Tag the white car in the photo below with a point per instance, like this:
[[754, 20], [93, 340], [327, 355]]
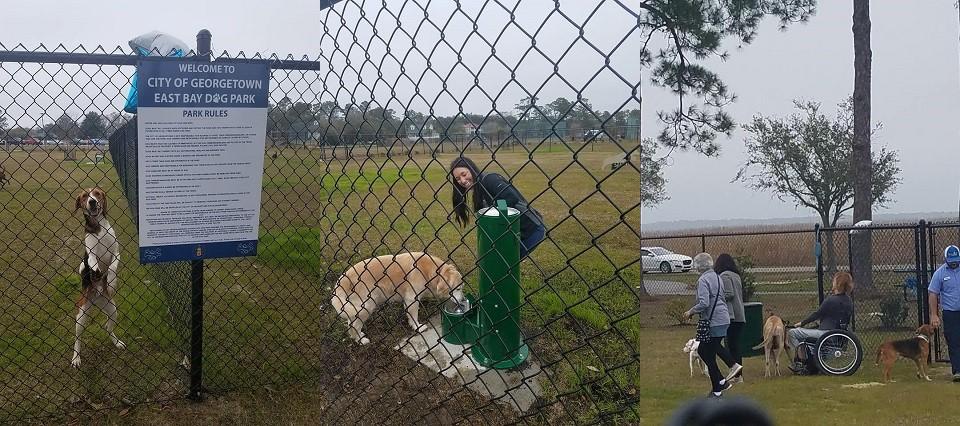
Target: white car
[[596, 135], [663, 260]]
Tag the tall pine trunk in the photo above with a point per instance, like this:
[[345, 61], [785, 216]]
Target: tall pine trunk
[[862, 266]]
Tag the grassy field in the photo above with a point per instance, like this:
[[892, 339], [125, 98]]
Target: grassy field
[[798, 400], [265, 320]]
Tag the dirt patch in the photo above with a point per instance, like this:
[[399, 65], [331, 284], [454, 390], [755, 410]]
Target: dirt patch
[[369, 385], [378, 385]]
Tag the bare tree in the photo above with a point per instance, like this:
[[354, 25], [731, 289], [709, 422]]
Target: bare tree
[[805, 159]]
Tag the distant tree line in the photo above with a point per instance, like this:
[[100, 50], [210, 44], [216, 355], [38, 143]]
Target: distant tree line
[[331, 123], [93, 125]]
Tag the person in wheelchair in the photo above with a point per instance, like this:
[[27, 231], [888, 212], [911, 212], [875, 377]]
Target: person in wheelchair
[[834, 313]]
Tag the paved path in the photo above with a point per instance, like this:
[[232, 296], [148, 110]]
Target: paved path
[[813, 269], [667, 288], [673, 288]]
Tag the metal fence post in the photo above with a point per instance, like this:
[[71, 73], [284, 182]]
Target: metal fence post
[[918, 238], [849, 252], [196, 278], [818, 253], [853, 316], [703, 243], [196, 330]]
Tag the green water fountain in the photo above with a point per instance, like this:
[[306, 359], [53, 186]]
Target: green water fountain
[[490, 323]]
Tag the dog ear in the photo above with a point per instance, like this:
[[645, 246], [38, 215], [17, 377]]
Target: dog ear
[[79, 203], [103, 201], [450, 276]]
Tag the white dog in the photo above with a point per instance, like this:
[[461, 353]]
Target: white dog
[[98, 271], [691, 348]]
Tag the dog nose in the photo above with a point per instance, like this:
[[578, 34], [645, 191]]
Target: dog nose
[[92, 202]]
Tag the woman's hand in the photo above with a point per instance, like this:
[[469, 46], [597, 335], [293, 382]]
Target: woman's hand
[[797, 325], [688, 314]]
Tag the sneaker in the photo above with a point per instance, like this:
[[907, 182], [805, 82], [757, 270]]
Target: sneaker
[[735, 370], [956, 377], [797, 368], [712, 395], [726, 385]]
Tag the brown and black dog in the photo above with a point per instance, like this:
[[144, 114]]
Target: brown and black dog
[[916, 348]]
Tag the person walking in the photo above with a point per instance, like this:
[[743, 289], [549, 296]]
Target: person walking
[[944, 294], [713, 310], [729, 272]]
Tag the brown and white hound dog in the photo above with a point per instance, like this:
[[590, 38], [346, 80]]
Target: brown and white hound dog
[[98, 271], [916, 348]]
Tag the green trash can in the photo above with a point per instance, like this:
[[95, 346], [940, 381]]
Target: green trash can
[[753, 330]]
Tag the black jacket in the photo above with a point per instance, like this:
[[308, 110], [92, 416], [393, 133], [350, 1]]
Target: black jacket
[[835, 310], [491, 187]]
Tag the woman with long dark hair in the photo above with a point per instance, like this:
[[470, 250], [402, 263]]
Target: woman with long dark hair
[[729, 273], [486, 189]]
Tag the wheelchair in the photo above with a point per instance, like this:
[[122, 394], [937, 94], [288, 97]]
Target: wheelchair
[[836, 353]]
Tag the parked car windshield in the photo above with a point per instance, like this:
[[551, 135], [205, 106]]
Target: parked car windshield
[[660, 251]]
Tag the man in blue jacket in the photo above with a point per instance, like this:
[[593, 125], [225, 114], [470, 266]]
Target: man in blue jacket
[[944, 292]]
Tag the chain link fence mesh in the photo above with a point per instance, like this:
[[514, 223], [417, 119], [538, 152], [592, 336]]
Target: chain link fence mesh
[[359, 142], [781, 272]]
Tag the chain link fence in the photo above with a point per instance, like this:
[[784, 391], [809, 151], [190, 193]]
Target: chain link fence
[[359, 142], [933, 241], [790, 272], [779, 270]]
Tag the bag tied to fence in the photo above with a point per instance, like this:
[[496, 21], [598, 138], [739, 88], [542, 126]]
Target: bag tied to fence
[[153, 43], [703, 326]]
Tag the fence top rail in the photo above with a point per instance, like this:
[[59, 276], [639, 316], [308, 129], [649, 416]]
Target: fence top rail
[[724, 234], [892, 226], [874, 227], [945, 225], [67, 57], [130, 59]]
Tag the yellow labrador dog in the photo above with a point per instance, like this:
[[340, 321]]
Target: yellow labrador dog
[[370, 283], [774, 342]]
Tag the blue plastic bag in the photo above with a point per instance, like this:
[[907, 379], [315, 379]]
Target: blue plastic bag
[[153, 43]]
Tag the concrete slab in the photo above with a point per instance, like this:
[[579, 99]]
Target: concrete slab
[[516, 388]]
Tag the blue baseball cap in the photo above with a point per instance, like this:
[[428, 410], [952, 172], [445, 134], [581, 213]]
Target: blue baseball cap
[[951, 254]]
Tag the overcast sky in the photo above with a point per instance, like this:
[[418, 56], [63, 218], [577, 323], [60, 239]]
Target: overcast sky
[[916, 96], [916, 82], [297, 28]]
